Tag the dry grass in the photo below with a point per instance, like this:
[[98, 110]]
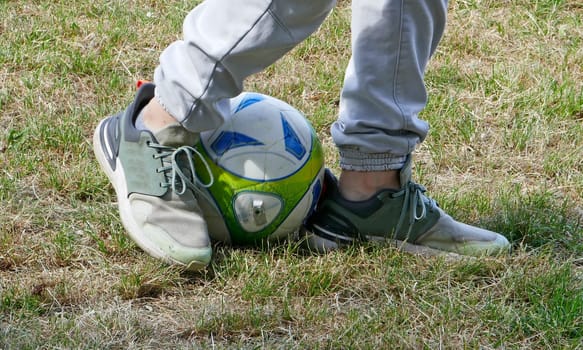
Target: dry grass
[[505, 151]]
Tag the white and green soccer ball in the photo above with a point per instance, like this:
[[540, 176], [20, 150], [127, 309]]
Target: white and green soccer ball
[[268, 169]]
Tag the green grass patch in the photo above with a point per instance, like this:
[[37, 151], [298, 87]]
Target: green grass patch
[[504, 152]]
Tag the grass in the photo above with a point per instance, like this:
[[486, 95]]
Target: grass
[[505, 152]]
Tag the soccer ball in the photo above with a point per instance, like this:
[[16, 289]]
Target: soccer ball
[[268, 169]]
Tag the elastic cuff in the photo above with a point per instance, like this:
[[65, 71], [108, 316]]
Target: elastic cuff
[[354, 160]]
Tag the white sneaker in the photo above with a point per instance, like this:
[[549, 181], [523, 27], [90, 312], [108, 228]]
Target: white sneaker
[[154, 180]]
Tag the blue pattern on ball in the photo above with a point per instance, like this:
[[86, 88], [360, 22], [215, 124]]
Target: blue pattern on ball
[[229, 140], [250, 99], [293, 144]]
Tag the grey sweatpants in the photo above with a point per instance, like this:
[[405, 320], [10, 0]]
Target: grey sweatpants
[[225, 41]]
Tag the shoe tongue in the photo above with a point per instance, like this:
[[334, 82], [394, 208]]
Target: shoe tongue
[[175, 135], [405, 172]]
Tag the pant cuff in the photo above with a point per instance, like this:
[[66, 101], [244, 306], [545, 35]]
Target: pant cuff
[[358, 161]]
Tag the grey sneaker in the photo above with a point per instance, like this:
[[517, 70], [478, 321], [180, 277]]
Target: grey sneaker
[[153, 177], [406, 218]]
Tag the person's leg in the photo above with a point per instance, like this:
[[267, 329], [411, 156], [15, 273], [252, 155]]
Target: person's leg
[[384, 90], [225, 42], [150, 165], [378, 129]]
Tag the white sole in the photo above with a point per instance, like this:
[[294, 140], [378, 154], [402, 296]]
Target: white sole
[[323, 245]]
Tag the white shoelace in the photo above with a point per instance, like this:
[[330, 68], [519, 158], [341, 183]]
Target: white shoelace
[[180, 180], [414, 194]]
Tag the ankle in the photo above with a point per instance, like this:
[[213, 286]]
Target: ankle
[[155, 117], [361, 185]]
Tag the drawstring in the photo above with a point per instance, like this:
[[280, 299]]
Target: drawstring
[[414, 198], [181, 180]]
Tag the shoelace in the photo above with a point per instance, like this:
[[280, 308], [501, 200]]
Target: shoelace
[[179, 180], [414, 195]]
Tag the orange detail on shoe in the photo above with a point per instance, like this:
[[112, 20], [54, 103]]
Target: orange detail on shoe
[[141, 82]]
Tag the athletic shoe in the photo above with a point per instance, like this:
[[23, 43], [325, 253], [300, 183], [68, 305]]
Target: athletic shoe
[[405, 217], [154, 178]]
